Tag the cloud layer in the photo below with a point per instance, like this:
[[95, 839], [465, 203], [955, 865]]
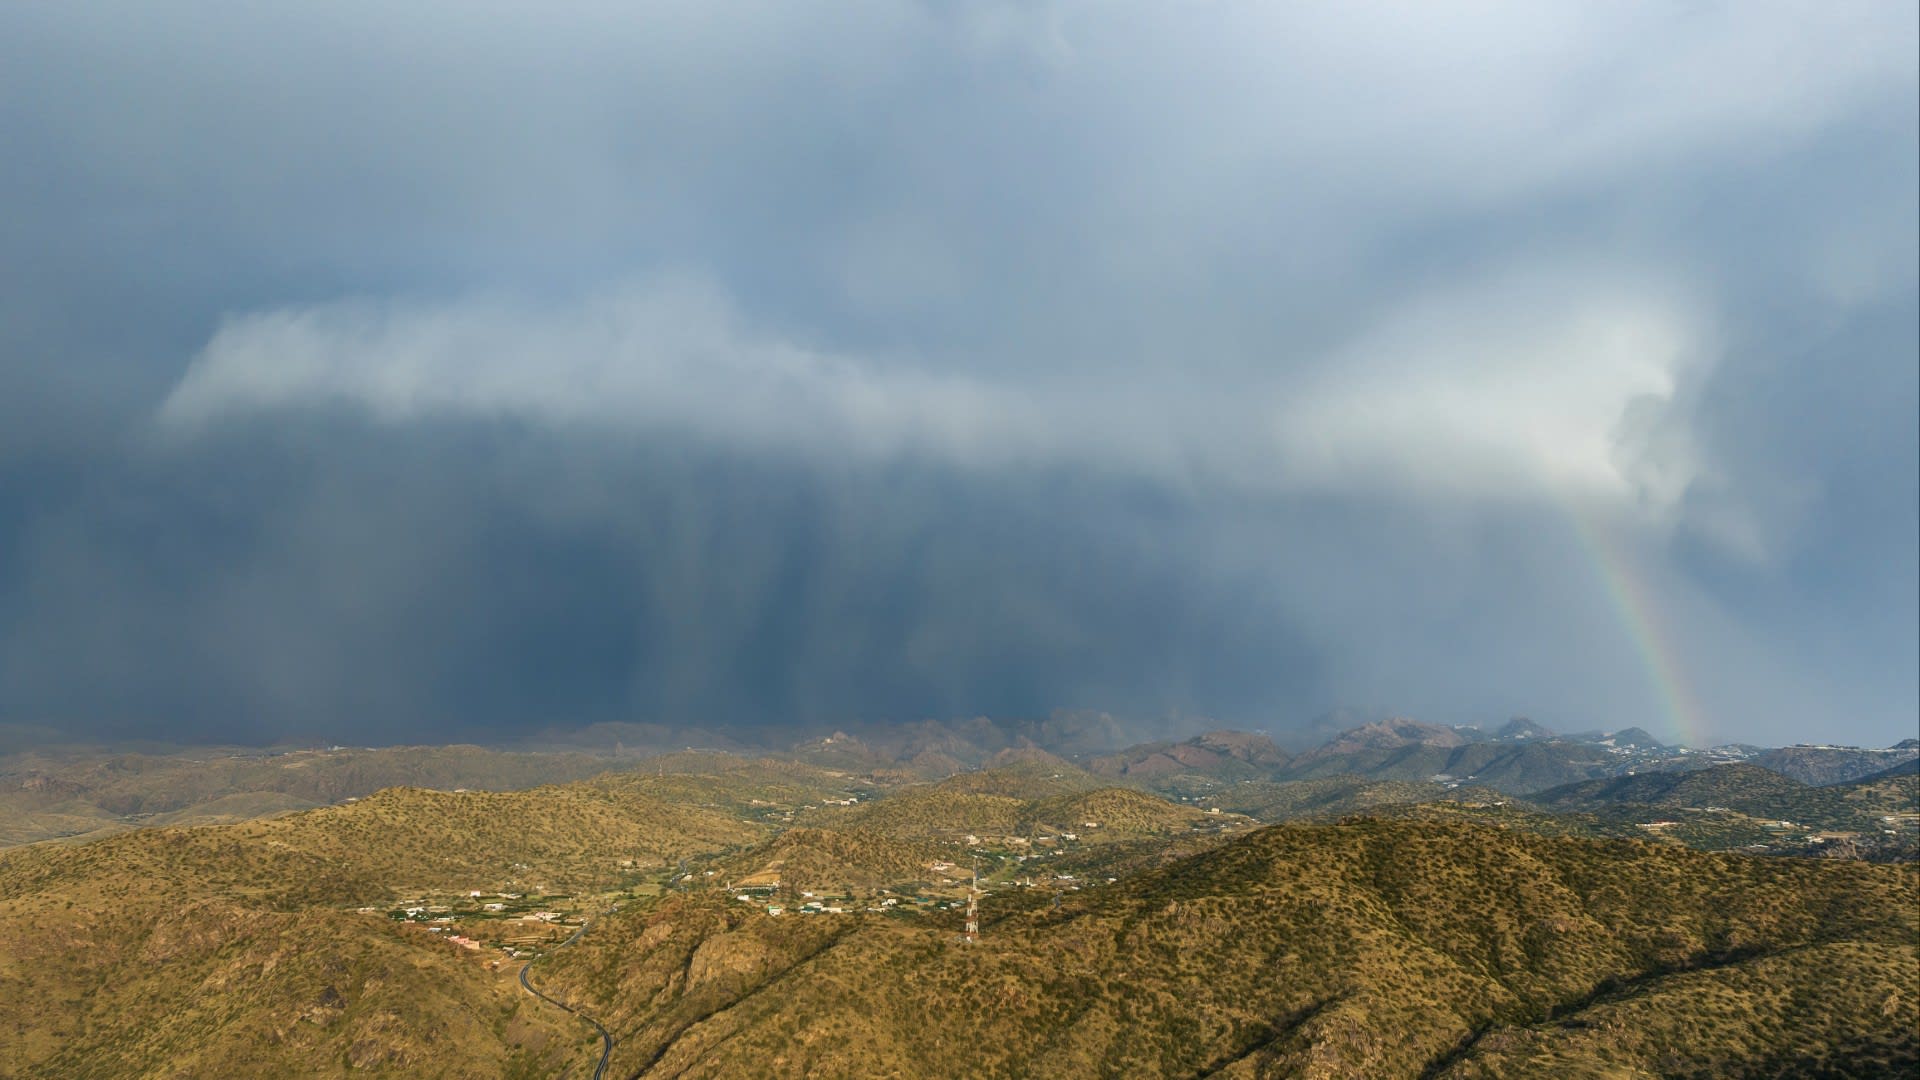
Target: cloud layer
[[1498, 391], [361, 365]]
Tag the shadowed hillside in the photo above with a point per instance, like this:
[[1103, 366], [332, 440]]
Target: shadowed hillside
[[1225, 755], [1835, 764], [1744, 787], [1518, 768], [1748, 807]]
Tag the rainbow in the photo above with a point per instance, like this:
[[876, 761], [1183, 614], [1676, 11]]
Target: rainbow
[[1633, 604]]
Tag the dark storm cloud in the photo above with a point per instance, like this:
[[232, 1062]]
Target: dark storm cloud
[[343, 578], [363, 368]]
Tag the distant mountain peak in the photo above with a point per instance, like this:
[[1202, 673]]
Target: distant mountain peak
[[1634, 736], [1247, 746], [1522, 728], [1026, 755], [1239, 753], [1391, 734]]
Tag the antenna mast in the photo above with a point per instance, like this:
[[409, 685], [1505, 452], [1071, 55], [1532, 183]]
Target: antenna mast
[[973, 904]]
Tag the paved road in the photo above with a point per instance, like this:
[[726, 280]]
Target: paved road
[[606, 1038]]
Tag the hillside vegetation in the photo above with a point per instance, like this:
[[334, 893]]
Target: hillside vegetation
[[1516, 768], [214, 987], [831, 861], [240, 949], [1835, 764], [1109, 813], [79, 794], [1401, 928], [929, 812], [1745, 806], [1296, 799], [1374, 949]]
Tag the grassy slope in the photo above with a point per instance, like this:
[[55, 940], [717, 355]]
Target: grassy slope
[[1112, 812], [231, 950], [831, 860], [218, 988], [1816, 1010], [48, 795], [1372, 949], [1291, 951], [924, 812], [1331, 795]]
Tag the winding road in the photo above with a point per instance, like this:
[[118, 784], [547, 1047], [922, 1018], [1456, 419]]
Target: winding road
[[606, 1037]]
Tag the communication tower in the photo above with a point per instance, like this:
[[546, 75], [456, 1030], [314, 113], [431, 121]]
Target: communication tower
[[973, 905]]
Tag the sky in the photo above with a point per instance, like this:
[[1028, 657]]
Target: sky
[[412, 372]]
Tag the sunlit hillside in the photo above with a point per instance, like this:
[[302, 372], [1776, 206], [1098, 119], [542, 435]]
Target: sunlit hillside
[[48, 794], [1296, 950]]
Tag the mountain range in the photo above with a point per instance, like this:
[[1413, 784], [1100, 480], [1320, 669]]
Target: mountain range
[[50, 792], [1207, 906]]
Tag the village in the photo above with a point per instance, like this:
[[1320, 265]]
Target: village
[[508, 928], [500, 927]]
